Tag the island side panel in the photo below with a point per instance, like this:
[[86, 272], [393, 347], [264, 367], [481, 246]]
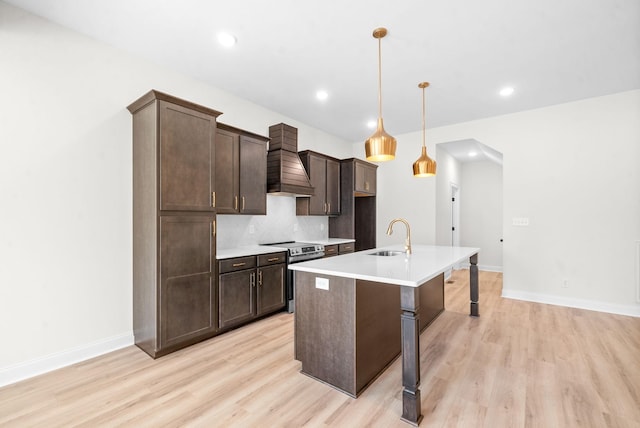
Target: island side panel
[[377, 329], [431, 300], [325, 329]]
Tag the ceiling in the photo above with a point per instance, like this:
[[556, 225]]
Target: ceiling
[[471, 150], [550, 51]]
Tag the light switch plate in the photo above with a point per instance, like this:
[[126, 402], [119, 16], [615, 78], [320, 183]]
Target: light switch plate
[[322, 283]]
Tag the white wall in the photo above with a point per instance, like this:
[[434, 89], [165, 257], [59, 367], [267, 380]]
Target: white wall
[[400, 194], [572, 169], [448, 172], [65, 181], [481, 211]]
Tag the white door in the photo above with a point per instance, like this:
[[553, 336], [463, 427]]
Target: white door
[[455, 215]]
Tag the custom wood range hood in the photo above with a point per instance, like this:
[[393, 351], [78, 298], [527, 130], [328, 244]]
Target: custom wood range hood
[[286, 174]]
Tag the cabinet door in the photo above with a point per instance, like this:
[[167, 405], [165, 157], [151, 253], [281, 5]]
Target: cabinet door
[[187, 292], [253, 176], [236, 291], [365, 179], [270, 295], [186, 158], [227, 163], [333, 187], [317, 171]]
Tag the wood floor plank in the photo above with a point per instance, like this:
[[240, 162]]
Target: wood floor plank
[[520, 364]]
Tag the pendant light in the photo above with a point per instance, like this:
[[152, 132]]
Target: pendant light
[[380, 146], [424, 166]]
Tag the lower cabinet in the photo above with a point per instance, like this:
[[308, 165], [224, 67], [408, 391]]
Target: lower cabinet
[[337, 249], [331, 250], [174, 301], [346, 248], [250, 287]]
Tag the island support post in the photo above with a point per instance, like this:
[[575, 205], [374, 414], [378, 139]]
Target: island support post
[[410, 323], [474, 309]]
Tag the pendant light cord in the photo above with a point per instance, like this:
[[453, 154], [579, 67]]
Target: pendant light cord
[[424, 121], [379, 78]]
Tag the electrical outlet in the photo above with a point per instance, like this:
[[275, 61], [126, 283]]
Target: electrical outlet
[[520, 221], [252, 229], [322, 283], [565, 283]]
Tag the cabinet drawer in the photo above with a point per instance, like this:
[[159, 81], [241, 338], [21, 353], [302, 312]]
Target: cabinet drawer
[[238, 263], [330, 250], [346, 248], [272, 258]]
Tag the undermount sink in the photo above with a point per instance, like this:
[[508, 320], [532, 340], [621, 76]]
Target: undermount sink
[[387, 253]]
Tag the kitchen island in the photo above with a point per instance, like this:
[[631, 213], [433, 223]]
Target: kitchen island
[[354, 311]]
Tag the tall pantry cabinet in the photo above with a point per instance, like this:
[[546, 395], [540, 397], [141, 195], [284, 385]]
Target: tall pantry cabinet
[[174, 268]]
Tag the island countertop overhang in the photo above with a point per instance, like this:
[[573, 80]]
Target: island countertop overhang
[[425, 262]]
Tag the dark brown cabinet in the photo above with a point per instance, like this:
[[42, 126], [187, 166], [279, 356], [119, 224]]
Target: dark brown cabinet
[[271, 279], [250, 287], [365, 178], [337, 249], [324, 175], [187, 152], [348, 247], [240, 171], [187, 279], [331, 250], [357, 219], [236, 291], [174, 278]]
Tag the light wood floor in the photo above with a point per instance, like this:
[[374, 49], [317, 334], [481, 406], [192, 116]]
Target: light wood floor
[[519, 365]]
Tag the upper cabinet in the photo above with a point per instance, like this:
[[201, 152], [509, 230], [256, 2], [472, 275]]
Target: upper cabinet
[[365, 178], [183, 134], [357, 219], [324, 175], [240, 171]]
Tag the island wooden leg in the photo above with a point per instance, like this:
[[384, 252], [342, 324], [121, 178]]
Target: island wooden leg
[[473, 286], [410, 324]]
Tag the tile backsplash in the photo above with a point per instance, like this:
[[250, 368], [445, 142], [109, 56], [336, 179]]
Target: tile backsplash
[[280, 224]]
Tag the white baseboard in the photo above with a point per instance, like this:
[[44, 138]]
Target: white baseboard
[[592, 305], [37, 366]]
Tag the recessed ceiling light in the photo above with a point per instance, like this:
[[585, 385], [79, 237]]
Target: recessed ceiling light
[[472, 154], [506, 91], [227, 40], [322, 95], [372, 124]]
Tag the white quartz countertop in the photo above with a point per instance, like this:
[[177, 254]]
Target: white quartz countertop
[[331, 241], [425, 263], [247, 251], [253, 250]]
